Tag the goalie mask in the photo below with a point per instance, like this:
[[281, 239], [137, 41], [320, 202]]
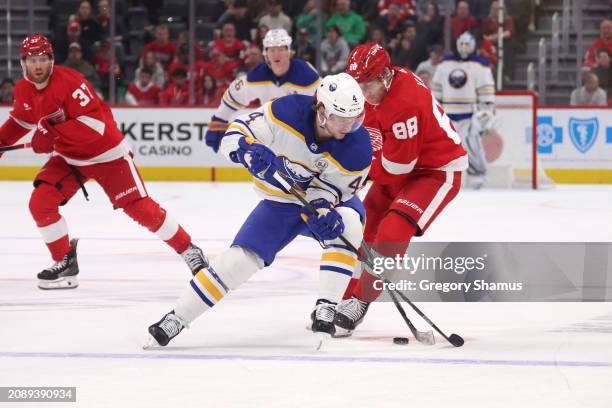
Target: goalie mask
[[343, 102], [466, 45]]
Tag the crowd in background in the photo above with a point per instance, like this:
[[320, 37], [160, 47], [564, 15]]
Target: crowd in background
[[411, 30]]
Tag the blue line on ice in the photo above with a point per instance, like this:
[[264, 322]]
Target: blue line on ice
[[314, 359]]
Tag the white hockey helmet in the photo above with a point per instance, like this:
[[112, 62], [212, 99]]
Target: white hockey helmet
[[343, 100], [277, 37], [466, 45]]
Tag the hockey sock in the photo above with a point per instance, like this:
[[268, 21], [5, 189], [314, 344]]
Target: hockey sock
[[150, 215], [227, 271], [393, 236], [44, 204], [337, 265]]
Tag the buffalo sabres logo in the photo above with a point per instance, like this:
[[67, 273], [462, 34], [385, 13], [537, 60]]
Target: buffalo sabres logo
[[457, 78], [300, 175], [332, 87], [583, 133]]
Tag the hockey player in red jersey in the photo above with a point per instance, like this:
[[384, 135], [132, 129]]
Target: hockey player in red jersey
[[416, 169], [78, 129]]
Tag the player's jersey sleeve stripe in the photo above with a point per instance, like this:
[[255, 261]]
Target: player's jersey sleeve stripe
[[268, 189], [229, 98], [459, 164], [228, 105], [240, 129], [23, 124], [397, 168], [95, 124]]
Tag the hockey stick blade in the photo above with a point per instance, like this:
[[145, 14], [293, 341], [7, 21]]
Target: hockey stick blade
[[421, 337], [454, 339]]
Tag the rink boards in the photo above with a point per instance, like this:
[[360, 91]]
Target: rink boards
[[574, 145]]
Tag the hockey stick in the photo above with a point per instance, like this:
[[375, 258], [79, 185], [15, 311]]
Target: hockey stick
[[422, 337], [15, 147]]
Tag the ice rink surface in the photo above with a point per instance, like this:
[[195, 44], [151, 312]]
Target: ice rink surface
[[252, 350]]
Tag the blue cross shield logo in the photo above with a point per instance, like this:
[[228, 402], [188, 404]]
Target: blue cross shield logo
[[583, 133]]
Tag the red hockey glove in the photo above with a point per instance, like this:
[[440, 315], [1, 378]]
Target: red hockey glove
[[44, 138]]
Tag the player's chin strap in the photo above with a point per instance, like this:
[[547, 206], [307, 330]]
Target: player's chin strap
[[422, 337]]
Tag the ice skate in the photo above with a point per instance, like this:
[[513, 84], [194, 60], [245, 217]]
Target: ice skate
[[62, 274], [349, 314], [165, 330], [195, 259]]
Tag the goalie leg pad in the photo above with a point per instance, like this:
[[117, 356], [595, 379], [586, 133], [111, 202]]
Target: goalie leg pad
[[228, 271]]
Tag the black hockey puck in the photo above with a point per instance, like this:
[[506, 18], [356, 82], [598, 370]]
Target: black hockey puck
[[400, 340]]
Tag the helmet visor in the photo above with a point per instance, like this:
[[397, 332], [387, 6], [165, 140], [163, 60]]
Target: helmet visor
[[343, 124]]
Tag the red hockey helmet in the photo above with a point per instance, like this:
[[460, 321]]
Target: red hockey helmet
[[36, 44], [367, 61]]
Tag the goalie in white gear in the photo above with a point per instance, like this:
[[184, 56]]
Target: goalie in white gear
[[319, 146], [279, 75], [463, 84]]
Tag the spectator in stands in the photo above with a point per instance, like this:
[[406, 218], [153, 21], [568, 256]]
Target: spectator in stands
[[220, 68], [228, 44], [435, 57], [259, 36], [603, 70], [303, 47], [430, 25], [604, 41], [6, 91], [589, 94], [252, 57], [143, 92], [377, 35], [275, 18], [73, 35], [308, 19], [182, 61], [402, 48], [521, 12], [91, 31], [351, 25], [391, 22], [183, 38], [107, 64], [177, 91], [75, 61], [425, 76], [405, 8], [164, 49], [463, 21], [334, 52], [211, 93], [104, 19], [149, 61], [238, 14], [490, 29], [480, 8]]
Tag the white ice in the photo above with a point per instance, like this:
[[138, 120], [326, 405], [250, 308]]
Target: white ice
[[252, 350]]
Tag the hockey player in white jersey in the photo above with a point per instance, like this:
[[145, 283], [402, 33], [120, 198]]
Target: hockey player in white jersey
[[279, 75], [318, 145], [463, 84]]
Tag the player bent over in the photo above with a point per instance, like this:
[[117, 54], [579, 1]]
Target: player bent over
[[416, 169], [279, 75], [319, 145], [78, 129]]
